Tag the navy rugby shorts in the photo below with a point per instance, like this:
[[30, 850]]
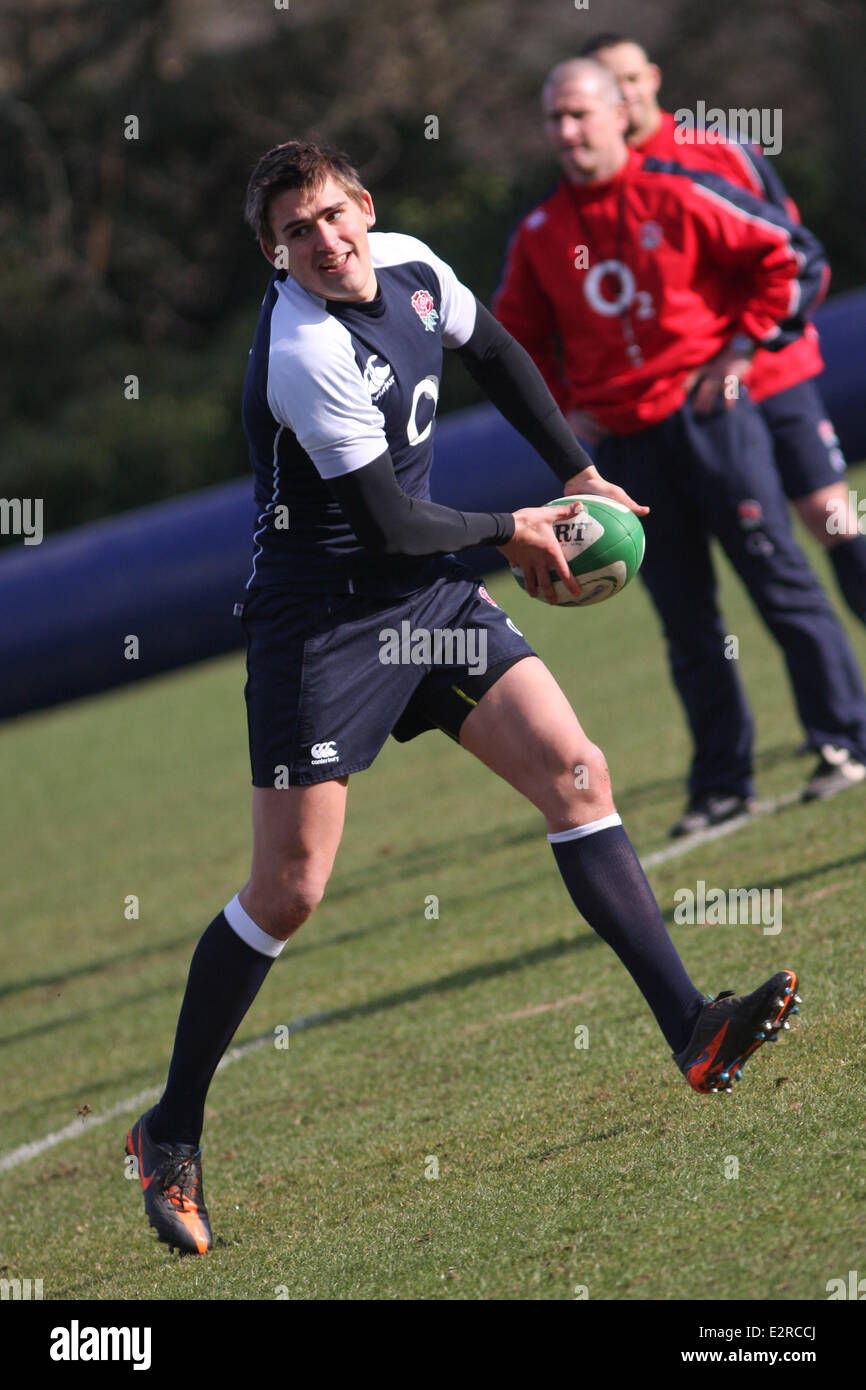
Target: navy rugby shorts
[[330, 676], [807, 451]]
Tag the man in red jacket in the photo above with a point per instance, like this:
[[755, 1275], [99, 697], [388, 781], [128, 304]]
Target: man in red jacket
[[805, 446], [642, 292]]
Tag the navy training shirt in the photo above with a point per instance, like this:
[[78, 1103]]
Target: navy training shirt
[[330, 386]]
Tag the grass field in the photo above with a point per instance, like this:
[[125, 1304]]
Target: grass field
[[441, 1042]]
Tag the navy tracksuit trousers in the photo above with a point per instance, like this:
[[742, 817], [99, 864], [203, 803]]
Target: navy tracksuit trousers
[[714, 475]]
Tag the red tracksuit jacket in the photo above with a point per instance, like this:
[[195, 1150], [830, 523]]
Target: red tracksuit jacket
[[745, 167], [620, 289]]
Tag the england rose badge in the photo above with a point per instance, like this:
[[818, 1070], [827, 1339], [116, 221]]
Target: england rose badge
[[422, 303]]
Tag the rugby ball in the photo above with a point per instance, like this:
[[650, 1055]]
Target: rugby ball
[[603, 547]]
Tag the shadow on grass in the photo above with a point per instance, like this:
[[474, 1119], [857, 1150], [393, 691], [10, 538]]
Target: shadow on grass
[[56, 1025], [85, 1091], [631, 796], [459, 980], [96, 967], [784, 880], [390, 867], [473, 899], [445, 984]]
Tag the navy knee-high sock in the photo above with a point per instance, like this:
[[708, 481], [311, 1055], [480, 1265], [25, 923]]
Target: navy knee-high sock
[[849, 561], [609, 888], [225, 976]]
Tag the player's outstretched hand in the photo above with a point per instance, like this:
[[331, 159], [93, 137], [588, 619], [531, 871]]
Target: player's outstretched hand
[[591, 481], [535, 549]]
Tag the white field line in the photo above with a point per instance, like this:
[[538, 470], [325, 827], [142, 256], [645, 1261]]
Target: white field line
[[717, 832], [143, 1099]]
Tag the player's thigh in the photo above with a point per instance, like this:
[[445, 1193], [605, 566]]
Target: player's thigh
[[296, 835], [526, 731]]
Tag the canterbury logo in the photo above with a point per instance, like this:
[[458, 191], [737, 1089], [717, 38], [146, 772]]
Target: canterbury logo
[[325, 752], [378, 376]]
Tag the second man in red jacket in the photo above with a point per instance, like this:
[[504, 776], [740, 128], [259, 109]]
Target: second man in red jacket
[[642, 290]]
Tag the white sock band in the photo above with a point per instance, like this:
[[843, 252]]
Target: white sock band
[[589, 829], [242, 923]]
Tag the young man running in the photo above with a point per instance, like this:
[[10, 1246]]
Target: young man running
[[339, 408]]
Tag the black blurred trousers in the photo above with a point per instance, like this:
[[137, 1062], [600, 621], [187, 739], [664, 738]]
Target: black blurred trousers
[[714, 475]]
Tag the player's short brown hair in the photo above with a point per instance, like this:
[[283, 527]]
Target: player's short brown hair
[[596, 45], [295, 164]]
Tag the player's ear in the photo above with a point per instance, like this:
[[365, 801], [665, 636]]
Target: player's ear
[[656, 77], [269, 252], [369, 210]]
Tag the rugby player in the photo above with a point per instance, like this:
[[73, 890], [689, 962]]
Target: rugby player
[[339, 408], [634, 287], [805, 446]]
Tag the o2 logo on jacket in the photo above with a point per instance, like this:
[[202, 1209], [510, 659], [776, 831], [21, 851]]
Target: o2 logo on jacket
[[626, 294]]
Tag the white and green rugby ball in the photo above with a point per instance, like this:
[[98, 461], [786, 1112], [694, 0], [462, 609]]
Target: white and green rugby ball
[[603, 547]]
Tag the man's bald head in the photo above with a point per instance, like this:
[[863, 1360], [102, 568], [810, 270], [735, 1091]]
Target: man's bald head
[[585, 120], [585, 72]]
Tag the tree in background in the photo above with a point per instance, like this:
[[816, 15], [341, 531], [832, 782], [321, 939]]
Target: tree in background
[[128, 280]]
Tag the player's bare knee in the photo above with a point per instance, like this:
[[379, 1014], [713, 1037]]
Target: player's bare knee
[[590, 775], [581, 790], [281, 908], [298, 901]]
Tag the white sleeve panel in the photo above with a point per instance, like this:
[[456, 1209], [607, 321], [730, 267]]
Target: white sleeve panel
[[457, 302], [315, 387]]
